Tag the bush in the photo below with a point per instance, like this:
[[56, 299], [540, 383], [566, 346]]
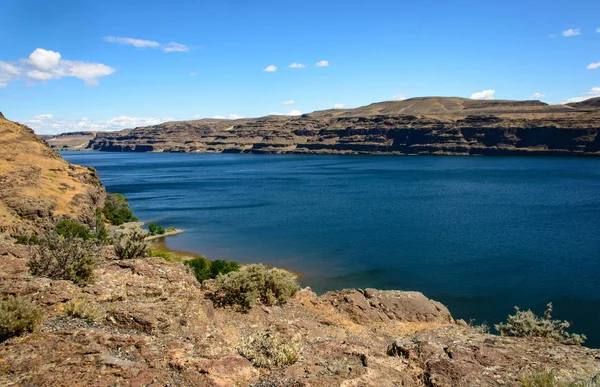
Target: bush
[[527, 324], [547, 378], [160, 230], [70, 228], [116, 209], [29, 240], [65, 258], [152, 228], [132, 245], [171, 229], [203, 269], [100, 232], [18, 316], [255, 282], [82, 307], [268, 350]]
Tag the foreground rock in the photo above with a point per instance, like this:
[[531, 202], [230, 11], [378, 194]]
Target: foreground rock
[[434, 125], [38, 187], [157, 329]]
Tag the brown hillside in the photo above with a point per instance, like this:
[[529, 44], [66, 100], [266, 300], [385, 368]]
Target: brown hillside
[[38, 187]]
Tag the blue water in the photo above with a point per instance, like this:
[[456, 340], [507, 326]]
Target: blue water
[[479, 234]]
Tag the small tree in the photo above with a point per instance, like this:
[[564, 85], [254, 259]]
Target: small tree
[[160, 230], [132, 245], [116, 209], [73, 229], [152, 228]]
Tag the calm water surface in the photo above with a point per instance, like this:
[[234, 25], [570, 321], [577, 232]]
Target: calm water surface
[[478, 234]]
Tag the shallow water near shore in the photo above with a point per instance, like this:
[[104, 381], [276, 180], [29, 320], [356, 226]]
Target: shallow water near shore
[[479, 234]]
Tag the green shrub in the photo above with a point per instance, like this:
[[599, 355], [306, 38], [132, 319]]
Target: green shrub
[[254, 283], [18, 316], [100, 232], [132, 245], [66, 258], [171, 229], [547, 378], [203, 269], [116, 209], [29, 240], [70, 228], [82, 307], [160, 230], [527, 324], [268, 350], [161, 254], [152, 228]]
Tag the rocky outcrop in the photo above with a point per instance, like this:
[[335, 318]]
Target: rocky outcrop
[[452, 126], [38, 187], [156, 327]]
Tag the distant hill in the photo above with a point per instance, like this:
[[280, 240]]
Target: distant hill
[[426, 125], [38, 187]]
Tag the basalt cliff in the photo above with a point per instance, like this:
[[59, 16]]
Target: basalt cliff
[[38, 187], [430, 125]]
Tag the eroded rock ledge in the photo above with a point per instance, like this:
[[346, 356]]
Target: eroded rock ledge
[[158, 329]]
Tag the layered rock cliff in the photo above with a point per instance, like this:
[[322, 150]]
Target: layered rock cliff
[[434, 125], [38, 187]]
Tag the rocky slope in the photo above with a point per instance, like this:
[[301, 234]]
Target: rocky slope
[[432, 125], [155, 327], [38, 187]]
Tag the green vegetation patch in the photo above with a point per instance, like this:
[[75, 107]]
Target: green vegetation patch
[[268, 350], [204, 269], [132, 245], [18, 316], [116, 209]]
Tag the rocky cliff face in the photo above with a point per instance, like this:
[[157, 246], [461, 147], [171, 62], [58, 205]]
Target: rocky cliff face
[[38, 187], [434, 125], [155, 327]]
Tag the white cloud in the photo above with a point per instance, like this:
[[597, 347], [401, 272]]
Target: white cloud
[[139, 43], [294, 112], [593, 93], [44, 65], [50, 124], [538, 95], [339, 106], [192, 74], [486, 94], [8, 72], [571, 32], [399, 97], [142, 43], [322, 63], [290, 102], [175, 47], [219, 117], [234, 117], [197, 117], [271, 68], [593, 66], [598, 30], [297, 66], [44, 59]]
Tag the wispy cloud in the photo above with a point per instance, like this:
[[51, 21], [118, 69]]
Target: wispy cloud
[[598, 30], [593, 66], [142, 43], [485, 94], [538, 95], [294, 112], [571, 32], [50, 124], [339, 106], [322, 63], [229, 117], [399, 97], [271, 68], [192, 74], [297, 66], [290, 102], [593, 93], [44, 65]]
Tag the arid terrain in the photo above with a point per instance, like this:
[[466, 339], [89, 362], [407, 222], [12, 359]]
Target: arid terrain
[[429, 125], [149, 322]]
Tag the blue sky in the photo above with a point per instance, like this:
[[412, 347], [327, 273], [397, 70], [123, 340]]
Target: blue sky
[[99, 65]]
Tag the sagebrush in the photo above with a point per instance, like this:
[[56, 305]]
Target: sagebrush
[[132, 245], [65, 258], [18, 316], [82, 307], [527, 324], [269, 349], [547, 378], [254, 283]]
